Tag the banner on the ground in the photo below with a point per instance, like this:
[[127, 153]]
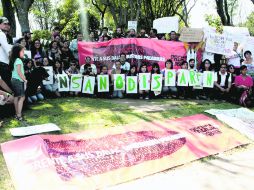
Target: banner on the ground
[[241, 119], [35, 129], [137, 50], [220, 44], [50, 79], [166, 24], [145, 81], [102, 157], [191, 34]]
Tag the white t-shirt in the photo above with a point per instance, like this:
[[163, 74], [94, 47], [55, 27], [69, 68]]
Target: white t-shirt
[[250, 68], [126, 66], [5, 48], [234, 59], [223, 78]]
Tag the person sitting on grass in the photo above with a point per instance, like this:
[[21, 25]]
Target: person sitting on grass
[[222, 82], [73, 70], [117, 70], [143, 94]]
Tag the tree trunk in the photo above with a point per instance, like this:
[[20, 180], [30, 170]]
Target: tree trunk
[[8, 12], [22, 8]]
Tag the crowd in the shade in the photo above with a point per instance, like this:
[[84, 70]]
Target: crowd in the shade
[[21, 77]]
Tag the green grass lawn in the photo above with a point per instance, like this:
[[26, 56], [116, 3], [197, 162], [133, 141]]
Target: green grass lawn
[[79, 114]]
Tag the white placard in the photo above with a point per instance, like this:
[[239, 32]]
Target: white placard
[[76, 83], [88, 85], [103, 83], [193, 78], [133, 25], [208, 79], [156, 82], [183, 77], [166, 24], [144, 81], [28, 54], [30, 130], [119, 82], [131, 84], [237, 33], [170, 77], [220, 44], [63, 83], [50, 79]]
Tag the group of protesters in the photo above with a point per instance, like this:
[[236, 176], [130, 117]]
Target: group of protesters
[[21, 77]]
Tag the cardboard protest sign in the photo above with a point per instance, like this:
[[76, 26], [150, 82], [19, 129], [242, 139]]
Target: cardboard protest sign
[[133, 25], [119, 82], [191, 35], [35, 129], [50, 79], [166, 24], [144, 81], [156, 82], [88, 85], [193, 78], [183, 77], [76, 83], [208, 79], [103, 83], [220, 44], [131, 84], [170, 78], [63, 83]]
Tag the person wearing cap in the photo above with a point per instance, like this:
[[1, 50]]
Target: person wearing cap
[[4, 50]]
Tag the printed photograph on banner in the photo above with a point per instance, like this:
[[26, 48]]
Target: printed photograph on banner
[[183, 77], [50, 79], [88, 84], [76, 83], [144, 80], [156, 82], [193, 78], [208, 79], [119, 82], [200, 81], [103, 83], [131, 84], [63, 83], [170, 78]]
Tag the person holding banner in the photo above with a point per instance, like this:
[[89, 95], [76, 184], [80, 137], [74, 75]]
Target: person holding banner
[[155, 70], [88, 61], [132, 73], [104, 71], [153, 34], [144, 90], [184, 91], [73, 70], [74, 45], [173, 36], [222, 82], [169, 90]]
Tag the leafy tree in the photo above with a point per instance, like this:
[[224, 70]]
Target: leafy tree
[[250, 23], [214, 21], [8, 12]]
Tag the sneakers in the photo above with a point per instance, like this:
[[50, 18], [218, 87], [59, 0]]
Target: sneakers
[[19, 118]]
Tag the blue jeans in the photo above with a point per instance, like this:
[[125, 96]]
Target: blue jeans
[[35, 98]]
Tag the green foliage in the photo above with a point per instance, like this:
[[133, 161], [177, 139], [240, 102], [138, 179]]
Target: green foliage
[[250, 24], [41, 34], [214, 21]]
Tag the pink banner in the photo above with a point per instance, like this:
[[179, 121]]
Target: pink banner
[[137, 50], [103, 157]]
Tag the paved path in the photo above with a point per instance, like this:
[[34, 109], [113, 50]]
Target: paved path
[[234, 171]]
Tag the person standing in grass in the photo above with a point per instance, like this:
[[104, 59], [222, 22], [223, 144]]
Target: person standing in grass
[[18, 79]]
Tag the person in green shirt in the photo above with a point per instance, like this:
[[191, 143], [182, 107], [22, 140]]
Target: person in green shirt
[[18, 79]]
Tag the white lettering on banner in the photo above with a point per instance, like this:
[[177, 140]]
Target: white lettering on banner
[[131, 56]]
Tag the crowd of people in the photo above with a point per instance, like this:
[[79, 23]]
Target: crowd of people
[[21, 77]]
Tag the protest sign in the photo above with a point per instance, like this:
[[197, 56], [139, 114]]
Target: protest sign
[[208, 79], [238, 34], [193, 78], [119, 82], [220, 44], [63, 83], [88, 85], [156, 82], [133, 25], [248, 45], [200, 81], [50, 79], [35, 129], [132, 84], [144, 81], [183, 77], [76, 83], [103, 83], [170, 77], [166, 24], [191, 35]]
